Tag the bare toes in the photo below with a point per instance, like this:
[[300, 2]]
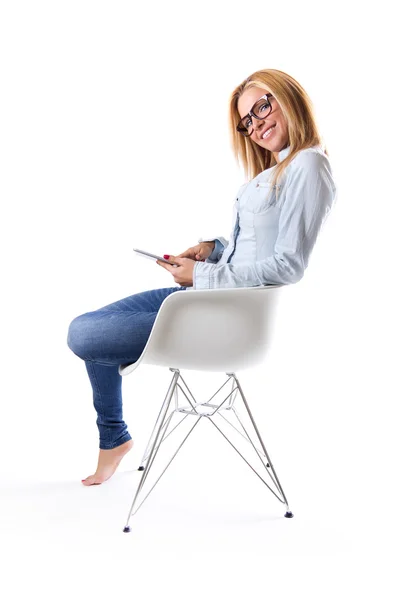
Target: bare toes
[[90, 481]]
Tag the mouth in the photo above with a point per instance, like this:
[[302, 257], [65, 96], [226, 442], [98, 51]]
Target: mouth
[[267, 132]]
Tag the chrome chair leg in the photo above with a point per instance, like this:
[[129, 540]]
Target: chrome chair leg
[[163, 423], [208, 410], [141, 468], [268, 465]]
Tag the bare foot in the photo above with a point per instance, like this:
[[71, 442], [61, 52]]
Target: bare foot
[[108, 463]]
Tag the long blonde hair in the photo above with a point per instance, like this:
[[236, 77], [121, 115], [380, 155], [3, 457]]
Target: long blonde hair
[[298, 111]]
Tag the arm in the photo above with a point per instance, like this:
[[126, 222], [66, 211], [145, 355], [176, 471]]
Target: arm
[[310, 193]]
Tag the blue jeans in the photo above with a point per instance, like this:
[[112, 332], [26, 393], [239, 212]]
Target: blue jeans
[[106, 338]]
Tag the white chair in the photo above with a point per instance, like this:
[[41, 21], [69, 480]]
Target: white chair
[[223, 330]]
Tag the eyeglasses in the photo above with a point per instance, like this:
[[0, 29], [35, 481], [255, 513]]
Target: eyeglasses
[[260, 110]]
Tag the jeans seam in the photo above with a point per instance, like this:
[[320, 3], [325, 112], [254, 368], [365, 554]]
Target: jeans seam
[[119, 361], [100, 400]]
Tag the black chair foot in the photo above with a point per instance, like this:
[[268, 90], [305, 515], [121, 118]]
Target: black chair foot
[[141, 469], [127, 529], [289, 514]]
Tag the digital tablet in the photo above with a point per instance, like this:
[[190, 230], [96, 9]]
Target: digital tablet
[[153, 256]]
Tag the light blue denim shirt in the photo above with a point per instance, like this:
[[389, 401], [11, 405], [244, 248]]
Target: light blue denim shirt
[[273, 235]]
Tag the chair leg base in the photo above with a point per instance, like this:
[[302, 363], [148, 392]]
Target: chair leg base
[[207, 409]]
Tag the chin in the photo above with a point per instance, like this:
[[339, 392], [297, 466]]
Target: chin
[[274, 148]]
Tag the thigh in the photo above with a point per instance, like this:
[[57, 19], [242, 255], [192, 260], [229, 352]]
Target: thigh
[[117, 333], [149, 301]]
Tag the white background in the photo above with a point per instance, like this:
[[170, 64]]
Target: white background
[[114, 135]]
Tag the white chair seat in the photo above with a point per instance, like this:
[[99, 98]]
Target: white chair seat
[[211, 330]]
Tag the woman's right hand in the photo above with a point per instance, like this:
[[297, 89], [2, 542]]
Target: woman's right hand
[[199, 252]]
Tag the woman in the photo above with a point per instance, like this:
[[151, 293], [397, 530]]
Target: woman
[[277, 217]]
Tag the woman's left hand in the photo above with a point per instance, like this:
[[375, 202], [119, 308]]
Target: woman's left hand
[[183, 273]]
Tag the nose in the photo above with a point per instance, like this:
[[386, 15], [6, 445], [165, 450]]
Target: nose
[[258, 124]]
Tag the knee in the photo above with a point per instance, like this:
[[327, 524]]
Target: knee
[[78, 336]]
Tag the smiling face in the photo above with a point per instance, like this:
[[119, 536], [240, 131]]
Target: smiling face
[[279, 137]]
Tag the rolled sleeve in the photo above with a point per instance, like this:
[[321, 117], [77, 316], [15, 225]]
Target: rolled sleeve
[[220, 245]]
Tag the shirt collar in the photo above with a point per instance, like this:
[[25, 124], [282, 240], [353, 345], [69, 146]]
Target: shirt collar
[[283, 153]]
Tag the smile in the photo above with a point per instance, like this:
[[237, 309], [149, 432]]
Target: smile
[[268, 132]]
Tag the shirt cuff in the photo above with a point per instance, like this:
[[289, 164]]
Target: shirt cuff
[[216, 253], [201, 276]]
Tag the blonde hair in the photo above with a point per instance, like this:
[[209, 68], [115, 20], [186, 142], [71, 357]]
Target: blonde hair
[[298, 112]]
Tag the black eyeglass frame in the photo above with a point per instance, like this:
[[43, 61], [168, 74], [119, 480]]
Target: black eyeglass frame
[[251, 114]]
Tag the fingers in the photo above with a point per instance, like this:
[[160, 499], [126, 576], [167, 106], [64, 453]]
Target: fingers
[[168, 265], [171, 257], [190, 253]]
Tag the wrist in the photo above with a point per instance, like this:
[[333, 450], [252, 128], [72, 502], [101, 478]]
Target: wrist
[[209, 244]]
